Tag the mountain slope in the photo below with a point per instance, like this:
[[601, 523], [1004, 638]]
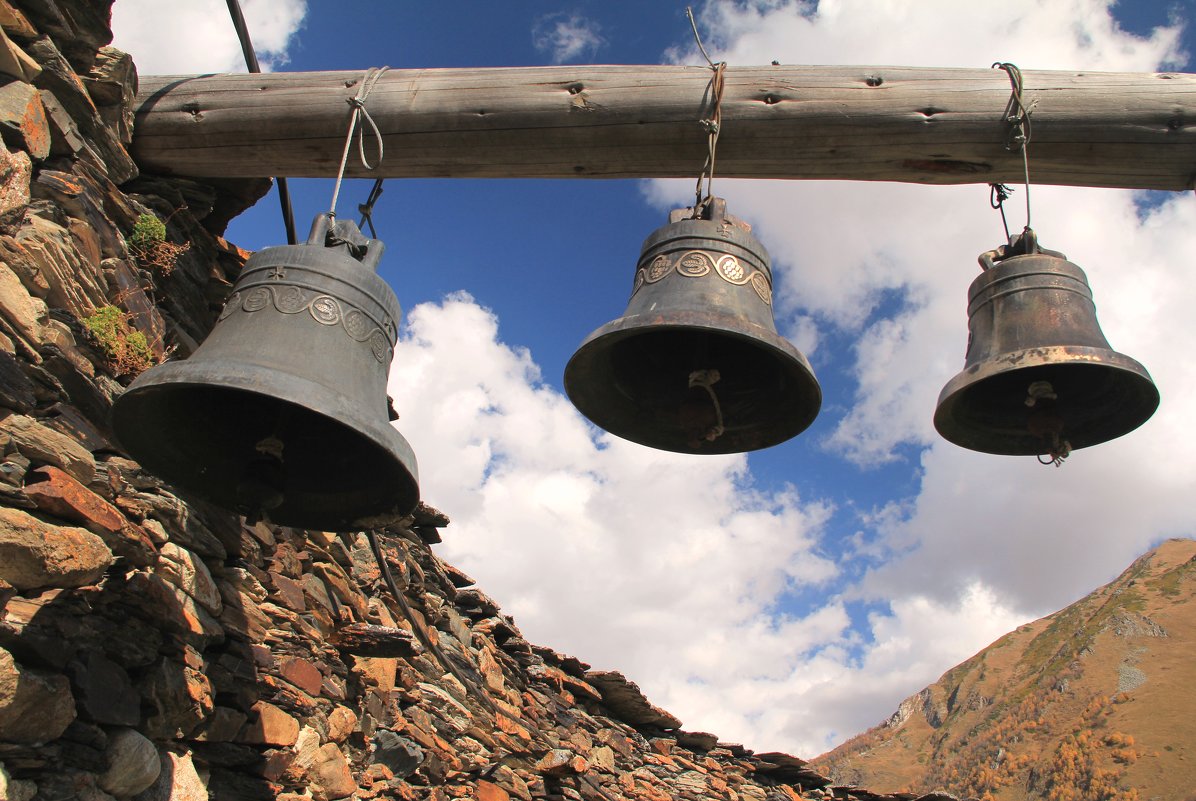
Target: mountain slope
[[1092, 703]]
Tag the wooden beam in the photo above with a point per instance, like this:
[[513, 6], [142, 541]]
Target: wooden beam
[[937, 126]]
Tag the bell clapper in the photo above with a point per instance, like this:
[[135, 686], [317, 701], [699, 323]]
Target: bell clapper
[[1045, 423], [706, 379], [260, 488]]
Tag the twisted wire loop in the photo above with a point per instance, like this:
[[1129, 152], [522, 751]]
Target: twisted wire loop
[[366, 210], [357, 102], [1017, 117], [997, 195], [712, 124]]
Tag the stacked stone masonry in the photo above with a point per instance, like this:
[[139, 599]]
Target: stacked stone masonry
[[156, 648]]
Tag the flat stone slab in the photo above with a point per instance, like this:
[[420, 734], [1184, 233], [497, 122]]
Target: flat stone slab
[[628, 702]]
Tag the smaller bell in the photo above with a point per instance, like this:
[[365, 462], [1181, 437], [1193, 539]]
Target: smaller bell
[[695, 364], [1039, 377]]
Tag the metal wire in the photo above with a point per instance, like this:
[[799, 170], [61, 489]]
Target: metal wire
[[367, 209], [997, 195], [712, 124], [689, 12], [357, 102], [251, 63], [1017, 116]]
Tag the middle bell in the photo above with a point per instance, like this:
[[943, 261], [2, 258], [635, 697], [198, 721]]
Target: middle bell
[[695, 364]]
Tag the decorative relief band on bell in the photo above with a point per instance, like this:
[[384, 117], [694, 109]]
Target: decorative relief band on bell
[[698, 263], [324, 309]]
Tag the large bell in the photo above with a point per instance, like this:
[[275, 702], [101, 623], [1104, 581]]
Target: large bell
[[1039, 377], [695, 364], [282, 412]]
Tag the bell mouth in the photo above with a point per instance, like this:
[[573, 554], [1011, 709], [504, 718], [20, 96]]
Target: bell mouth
[[634, 378], [201, 430], [1101, 395]]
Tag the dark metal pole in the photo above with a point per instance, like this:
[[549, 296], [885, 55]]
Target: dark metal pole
[[284, 193]]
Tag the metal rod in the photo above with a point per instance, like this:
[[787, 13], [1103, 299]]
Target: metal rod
[[284, 192]]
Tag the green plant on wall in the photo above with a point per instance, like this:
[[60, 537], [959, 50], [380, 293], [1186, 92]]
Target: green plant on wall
[[127, 349], [147, 242]]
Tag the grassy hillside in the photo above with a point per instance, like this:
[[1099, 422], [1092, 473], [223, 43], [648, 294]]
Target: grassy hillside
[[1096, 702]]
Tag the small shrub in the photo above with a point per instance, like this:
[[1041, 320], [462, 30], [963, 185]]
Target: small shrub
[[127, 350], [147, 232], [148, 245]]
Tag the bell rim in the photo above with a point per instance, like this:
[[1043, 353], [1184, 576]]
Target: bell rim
[[313, 397], [793, 361], [1055, 355]]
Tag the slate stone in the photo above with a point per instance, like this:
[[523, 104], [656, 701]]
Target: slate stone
[[269, 725], [35, 554], [16, 390], [401, 755], [133, 763], [23, 121], [102, 147], [57, 493], [35, 707], [331, 777], [178, 780], [44, 445], [628, 702], [104, 692]]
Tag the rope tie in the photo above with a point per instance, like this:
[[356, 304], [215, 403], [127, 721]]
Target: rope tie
[[357, 103]]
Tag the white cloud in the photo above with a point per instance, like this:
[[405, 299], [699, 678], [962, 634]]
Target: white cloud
[[675, 570], [678, 570], [665, 566], [668, 567], [989, 541], [566, 37], [1065, 34], [210, 42]]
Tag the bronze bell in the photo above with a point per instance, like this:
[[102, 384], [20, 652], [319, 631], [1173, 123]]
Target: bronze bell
[[695, 364], [1039, 377], [283, 411]]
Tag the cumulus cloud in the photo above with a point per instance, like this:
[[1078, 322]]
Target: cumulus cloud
[[597, 535], [986, 538], [671, 568], [565, 37], [725, 601], [665, 566], [210, 43], [680, 573]]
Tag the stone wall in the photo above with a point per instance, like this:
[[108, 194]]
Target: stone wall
[[154, 647]]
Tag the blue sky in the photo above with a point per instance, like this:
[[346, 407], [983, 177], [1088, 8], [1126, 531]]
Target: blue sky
[[790, 598]]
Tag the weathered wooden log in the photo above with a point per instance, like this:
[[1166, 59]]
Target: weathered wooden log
[[940, 126]]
